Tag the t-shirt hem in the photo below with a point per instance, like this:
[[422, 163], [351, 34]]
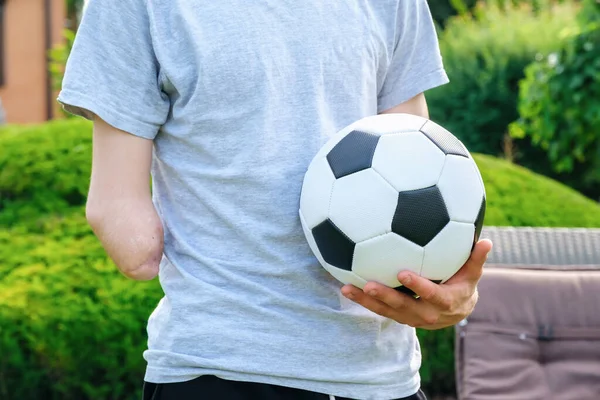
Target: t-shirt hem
[[81, 105], [340, 389], [420, 85]]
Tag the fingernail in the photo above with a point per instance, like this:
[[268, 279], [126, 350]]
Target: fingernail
[[405, 279], [349, 295], [372, 292]]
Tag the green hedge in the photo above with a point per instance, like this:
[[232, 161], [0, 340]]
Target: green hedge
[[43, 169], [485, 56], [73, 328]]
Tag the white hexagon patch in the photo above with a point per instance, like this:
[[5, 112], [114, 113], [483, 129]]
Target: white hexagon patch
[[381, 259], [448, 251], [316, 192], [408, 161], [461, 188], [362, 205]]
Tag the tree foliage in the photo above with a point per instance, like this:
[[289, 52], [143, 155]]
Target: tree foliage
[[559, 103]]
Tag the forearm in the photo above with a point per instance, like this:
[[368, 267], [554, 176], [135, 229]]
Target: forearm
[[130, 231]]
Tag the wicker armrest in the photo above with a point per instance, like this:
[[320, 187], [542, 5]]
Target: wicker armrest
[[561, 248]]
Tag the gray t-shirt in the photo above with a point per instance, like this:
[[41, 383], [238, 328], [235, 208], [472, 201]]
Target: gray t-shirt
[[239, 96]]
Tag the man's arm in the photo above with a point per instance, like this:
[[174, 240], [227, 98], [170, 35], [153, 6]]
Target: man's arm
[[119, 206], [416, 106]]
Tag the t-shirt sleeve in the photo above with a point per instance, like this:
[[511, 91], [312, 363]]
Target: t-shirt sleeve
[[112, 70], [416, 63]]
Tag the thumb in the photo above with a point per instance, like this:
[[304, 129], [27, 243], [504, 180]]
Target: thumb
[[473, 268]]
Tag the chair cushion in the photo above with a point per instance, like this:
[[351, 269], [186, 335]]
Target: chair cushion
[[534, 334]]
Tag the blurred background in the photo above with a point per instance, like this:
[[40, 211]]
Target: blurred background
[[524, 97]]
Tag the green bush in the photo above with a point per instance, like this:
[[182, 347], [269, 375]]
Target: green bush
[[560, 106], [442, 10], [67, 317], [485, 56], [43, 168], [73, 328]]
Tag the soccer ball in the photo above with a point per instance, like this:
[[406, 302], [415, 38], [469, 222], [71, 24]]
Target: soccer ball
[[388, 193]]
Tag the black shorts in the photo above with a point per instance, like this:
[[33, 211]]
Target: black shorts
[[209, 387]]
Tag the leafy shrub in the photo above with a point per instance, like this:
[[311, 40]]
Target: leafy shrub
[[442, 10], [485, 55], [73, 328], [43, 168], [560, 106]]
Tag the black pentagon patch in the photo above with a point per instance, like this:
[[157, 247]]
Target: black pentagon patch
[[420, 215], [335, 247], [443, 139], [353, 153], [479, 221], [405, 290]]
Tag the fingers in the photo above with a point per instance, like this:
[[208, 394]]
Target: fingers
[[426, 289], [384, 301], [403, 308], [389, 296], [367, 301], [438, 306]]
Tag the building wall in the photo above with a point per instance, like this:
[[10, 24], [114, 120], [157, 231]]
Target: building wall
[[24, 92]]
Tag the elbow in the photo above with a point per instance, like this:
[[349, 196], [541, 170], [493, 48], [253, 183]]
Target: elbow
[[94, 216], [131, 234], [146, 271]]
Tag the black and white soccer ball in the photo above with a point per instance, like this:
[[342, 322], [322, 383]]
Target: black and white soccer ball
[[388, 193]]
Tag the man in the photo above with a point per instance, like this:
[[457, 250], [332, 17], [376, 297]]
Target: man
[[226, 103]]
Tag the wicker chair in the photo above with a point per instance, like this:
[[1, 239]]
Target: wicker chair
[[535, 333], [560, 248]]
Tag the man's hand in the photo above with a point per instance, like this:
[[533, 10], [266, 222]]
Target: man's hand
[[439, 306]]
